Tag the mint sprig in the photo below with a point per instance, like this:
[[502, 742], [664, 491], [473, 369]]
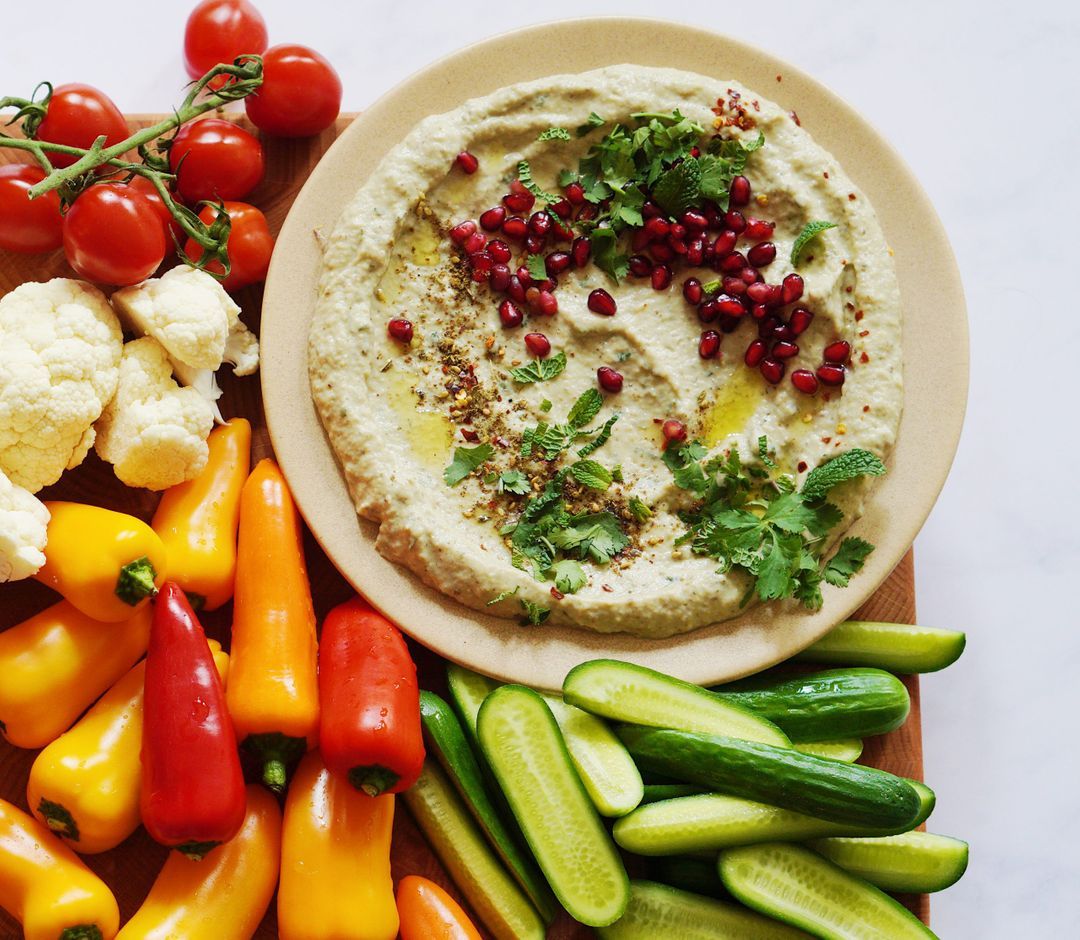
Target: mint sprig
[[809, 232], [540, 370]]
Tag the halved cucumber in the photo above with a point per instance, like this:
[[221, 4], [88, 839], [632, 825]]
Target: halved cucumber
[[468, 690], [898, 647], [920, 862], [457, 840], [657, 911], [606, 768], [642, 696], [655, 792], [446, 741], [848, 750], [689, 873], [526, 751], [711, 821], [793, 884]]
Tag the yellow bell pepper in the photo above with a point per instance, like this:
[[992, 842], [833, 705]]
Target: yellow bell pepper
[[54, 665], [197, 520], [105, 563], [225, 894], [46, 888], [85, 785], [335, 860]]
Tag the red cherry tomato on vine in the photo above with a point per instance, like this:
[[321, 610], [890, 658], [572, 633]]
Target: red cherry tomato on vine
[[113, 235], [300, 94], [77, 116], [250, 245], [215, 160], [219, 31], [171, 226], [28, 226]]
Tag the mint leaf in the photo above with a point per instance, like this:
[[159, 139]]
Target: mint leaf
[[513, 481], [763, 452], [545, 405], [555, 133], [537, 269], [466, 460], [499, 598], [679, 188], [848, 560], [606, 255], [591, 474], [601, 439], [585, 408], [638, 509], [569, 576], [540, 370], [525, 176], [809, 232], [592, 123], [534, 613], [847, 466]]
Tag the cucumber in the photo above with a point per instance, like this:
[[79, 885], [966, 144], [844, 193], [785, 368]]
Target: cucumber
[[526, 751], [795, 885], [606, 768], [848, 750], [657, 910], [446, 741], [495, 896], [920, 862], [655, 792], [829, 789], [711, 821], [468, 690], [641, 696], [838, 703], [898, 647], [689, 873]]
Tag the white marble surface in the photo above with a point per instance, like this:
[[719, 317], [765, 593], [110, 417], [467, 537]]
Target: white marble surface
[[983, 101]]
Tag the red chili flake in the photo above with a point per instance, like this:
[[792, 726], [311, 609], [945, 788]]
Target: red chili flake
[[802, 466], [470, 435], [864, 358], [779, 78], [754, 104], [826, 440], [865, 408], [826, 174], [864, 332], [608, 588], [795, 118], [851, 197], [859, 315], [557, 594]]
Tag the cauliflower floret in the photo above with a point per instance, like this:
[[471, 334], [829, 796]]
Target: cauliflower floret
[[153, 432], [23, 521], [60, 345]]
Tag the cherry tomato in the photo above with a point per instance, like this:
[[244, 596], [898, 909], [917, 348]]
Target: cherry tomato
[[250, 245], [77, 116], [112, 235], [171, 226], [215, 160], [300, 94], [220, 31], [28, 226]]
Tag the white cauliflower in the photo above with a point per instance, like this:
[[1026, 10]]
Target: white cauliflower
[[198, 323], [153, 432], [23, 521], [60, 348]]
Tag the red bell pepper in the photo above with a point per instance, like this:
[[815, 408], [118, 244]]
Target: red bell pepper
[[369, 726], [192, 795]]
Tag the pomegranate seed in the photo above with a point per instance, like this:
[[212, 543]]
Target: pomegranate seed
[[537, 344], [728, 324], [766, 326], [776, 295], [515, 227], [734, 220], [800, 320], [838, 352], [581, 250], [534, 244], [575, 192], [694, 219], [640, 266], [832, 374], [761, 254], [600, 301], [695, 253], [724, 244], [517, 187], [609, 379], [640, 240], [400, 329], [734, 285], [750, 276], [759, 292], [481, 261], [709, 344], [730, 306], [547, 304], [805, 381], [759, 229], [759, 311], [772, 370], [677, 233], [515, 289], [461, 232], [557, 262], [519, 203], [673, 430], [499, 250], [523, 275], [739, 194], [791, 288], [467, 162], [714, 215], [678, 246], [733, 263], [651, 210], [785, 350], [783, 333], [493, 218], [532, 296], [657, 228], [692, 291], [755, 352], [547, 284], [561, 232], [474, 243], [661, 277], [562, 208], [510, 314], [661, 252], [588, 212], [500, 277], [539, 223], [708, 311]]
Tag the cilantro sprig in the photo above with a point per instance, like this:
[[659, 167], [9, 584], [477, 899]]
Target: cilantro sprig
[[466, 460]]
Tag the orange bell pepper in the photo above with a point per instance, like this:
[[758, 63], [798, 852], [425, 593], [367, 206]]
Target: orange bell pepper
[[47, 888], [273, 688], [225, 894], [428, 913], [54, 665], [197, 520], [335, 860], [105, 563]]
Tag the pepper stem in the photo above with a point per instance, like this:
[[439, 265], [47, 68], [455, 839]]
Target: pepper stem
[[196, 851], [136, 581], [81, 932], [273, 775], [59, 819], [276, 751], [373, 780]]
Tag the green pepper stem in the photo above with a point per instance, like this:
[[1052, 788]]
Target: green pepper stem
[[274, 775], [374, 779]]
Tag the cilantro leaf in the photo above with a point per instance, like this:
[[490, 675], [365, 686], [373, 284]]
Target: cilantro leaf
[[638, 509], [540, 370], [601, 439], [606, 254], [537, 268], [466, 460], [846, 466], [513, 481], [848, 560], [535, 614], [525, 177], [592, 123], [596, 536], [502, 596], [555, 133], [591, 474], [809, 232], [585, 408], [678, 188], [682, 459], [569, 576]]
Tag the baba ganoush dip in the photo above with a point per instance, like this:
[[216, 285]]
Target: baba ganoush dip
[[577, 363]]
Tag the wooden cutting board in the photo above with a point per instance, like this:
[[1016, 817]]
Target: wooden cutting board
[[131, 868]]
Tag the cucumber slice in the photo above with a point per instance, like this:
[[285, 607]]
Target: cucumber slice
[[641, 696], [795, 885], [898, 647], [606, 768], [657, 910], [689, 873], [526, 751], [655, 792], [457, 840], [446, 741], [468, 690], [710, 821], [848, 750], [919, 862]]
